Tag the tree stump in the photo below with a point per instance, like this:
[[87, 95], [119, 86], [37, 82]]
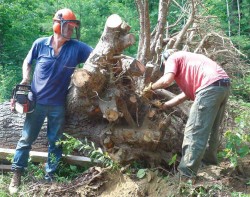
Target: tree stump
[[106, 93]]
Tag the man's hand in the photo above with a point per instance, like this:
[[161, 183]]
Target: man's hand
[[165, 106], [157, 103], [147, 91], [25, 82], [12, 105]]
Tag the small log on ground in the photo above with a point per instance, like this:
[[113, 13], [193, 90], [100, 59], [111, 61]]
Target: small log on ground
[[5, 168], [41, 157]]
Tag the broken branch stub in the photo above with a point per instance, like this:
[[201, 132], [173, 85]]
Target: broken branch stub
[[113, 21]]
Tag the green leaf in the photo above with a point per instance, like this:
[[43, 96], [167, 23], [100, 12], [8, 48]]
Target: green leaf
[[73, 168], [243, 151], [141, 173], [173, 160]]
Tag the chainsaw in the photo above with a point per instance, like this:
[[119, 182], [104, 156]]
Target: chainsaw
[[21, 99]]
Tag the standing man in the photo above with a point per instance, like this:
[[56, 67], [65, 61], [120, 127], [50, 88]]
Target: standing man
[[207, 84], [56, 58]]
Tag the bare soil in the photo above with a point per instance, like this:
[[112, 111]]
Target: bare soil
[[221, 180]]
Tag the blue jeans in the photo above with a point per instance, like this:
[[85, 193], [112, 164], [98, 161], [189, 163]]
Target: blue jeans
[[32, 126], [201, 136]]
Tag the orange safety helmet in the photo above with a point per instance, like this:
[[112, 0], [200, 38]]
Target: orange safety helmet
[[62, 17]]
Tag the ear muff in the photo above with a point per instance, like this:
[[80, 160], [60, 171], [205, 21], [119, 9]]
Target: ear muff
[[57, 27]]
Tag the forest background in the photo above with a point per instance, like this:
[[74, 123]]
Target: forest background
[[23, 21]]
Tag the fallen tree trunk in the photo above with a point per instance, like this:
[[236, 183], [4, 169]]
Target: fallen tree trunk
[[105, 105]]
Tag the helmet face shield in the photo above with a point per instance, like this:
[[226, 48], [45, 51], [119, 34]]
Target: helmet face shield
[[70, 29], [66, 25]]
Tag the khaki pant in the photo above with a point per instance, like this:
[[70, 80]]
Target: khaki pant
[[201, 136]]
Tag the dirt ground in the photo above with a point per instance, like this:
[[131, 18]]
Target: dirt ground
[[221, 180]]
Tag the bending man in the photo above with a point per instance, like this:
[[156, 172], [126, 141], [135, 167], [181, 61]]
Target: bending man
[[207, 84]]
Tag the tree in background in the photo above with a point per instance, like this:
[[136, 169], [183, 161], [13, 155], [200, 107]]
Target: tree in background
[[19, 26], [234, 19]]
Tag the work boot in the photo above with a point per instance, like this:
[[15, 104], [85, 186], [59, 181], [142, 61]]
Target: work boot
[[15, 182]]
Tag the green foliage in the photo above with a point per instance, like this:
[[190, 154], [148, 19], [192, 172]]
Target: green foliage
[[188, 189], [70, 144], [88, 148], [239, 28], [19, 27], [239, 194], [67, 172], [242, 42], [36, 170], [236, 147], [241, 87], [137, 168], [4, 183], [237, 139], [7, 80], [10, 158]]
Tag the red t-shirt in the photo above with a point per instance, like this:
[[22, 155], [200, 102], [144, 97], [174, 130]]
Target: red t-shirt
[[193, 72]]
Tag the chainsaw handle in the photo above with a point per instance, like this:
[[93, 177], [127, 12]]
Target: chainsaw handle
[[20, 87], [22, 99], [28, 87]]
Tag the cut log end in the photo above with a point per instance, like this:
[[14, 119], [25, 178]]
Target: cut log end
[[114, 21], [80, 77], [133, 99], [111, 115]]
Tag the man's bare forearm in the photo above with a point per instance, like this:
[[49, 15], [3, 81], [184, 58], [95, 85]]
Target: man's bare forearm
[[164, 81], [26, 72], [180, 98]]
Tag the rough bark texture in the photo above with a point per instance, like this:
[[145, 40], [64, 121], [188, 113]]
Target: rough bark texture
[[11, 128], [105, 102]]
